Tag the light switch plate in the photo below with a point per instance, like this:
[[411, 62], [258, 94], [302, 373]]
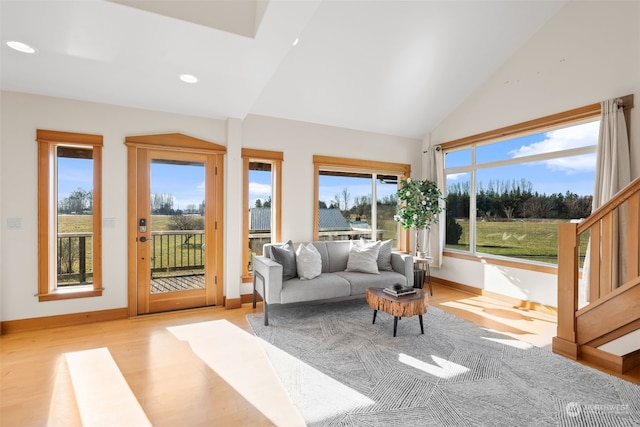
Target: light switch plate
[[14, 223]]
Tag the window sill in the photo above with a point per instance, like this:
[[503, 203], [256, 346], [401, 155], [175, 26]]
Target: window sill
[[78, 292], [540, 268]]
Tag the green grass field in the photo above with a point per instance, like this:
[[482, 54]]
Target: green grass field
[[83, 223], [530, 240]]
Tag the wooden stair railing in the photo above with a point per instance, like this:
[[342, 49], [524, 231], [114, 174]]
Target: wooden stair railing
[[614, 303]]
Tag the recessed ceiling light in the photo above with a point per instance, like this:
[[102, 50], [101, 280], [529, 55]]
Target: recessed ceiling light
[[188, 78], [20, 47], [295, 42]]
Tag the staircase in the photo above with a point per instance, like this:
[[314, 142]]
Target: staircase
[[606, 331]]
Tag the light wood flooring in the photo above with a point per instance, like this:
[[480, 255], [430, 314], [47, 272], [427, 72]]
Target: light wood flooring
[[191, 368]]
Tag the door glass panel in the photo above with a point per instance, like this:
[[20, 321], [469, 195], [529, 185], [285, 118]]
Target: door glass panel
[[177, 226]]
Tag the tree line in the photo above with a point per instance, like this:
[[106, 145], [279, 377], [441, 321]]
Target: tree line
[[500, 200], [496, 200], [77, 202], [81, 201], [162, 204], [361, 205]]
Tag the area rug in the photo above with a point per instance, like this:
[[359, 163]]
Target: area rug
[[342, 370]]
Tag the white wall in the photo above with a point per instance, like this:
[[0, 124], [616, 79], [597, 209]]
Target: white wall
[[24, 113], [587, 53]]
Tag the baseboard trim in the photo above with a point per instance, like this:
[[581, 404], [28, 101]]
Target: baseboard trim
[[564, 348], [232, 303], [74, 319], [630, 361], [248, 298], [522, 304], [601, 359]]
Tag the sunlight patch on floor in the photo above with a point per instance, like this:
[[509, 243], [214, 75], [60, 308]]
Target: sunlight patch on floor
[[512, 343], [535, 329], [442, 368], [240, 360], [63, 411], [102, 394], [316, 394]]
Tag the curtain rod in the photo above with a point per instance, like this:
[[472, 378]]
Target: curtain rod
[[438, 148]]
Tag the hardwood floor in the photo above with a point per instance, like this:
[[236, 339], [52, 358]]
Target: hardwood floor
[[61, 376]]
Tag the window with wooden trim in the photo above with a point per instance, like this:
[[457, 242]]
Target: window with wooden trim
[[508, 189], [262, 203], [69, 215], [345, 191]]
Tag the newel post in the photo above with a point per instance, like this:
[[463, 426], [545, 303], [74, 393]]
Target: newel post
[[565, 341]]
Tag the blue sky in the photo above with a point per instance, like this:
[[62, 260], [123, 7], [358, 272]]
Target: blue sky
[[330, 186], [186, 183], [259, 186], [575, 174], [72, 174]]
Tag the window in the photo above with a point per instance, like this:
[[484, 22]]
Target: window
[[69, 215], [344, 193], [262, 203], [506, 195]]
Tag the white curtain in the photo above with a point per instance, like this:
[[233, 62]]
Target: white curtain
[[435, 172], [613, 173]]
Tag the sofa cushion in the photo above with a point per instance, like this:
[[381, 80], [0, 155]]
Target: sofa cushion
[[326, 285], [360, 282], [286, 256], [363, 256], [308, 261]]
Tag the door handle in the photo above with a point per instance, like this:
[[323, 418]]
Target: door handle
[[142, 239]]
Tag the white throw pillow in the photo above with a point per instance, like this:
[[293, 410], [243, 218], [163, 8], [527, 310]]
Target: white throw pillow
[[309, 262], [363, 256]]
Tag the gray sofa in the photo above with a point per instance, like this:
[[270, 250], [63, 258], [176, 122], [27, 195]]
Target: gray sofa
[[333, 282]]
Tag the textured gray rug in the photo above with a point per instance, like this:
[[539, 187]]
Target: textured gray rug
[[340, 370]]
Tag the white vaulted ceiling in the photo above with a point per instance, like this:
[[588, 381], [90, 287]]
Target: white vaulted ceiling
[[392, 67]]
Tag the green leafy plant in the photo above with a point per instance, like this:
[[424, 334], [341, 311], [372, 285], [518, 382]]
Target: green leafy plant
[[418, 204]]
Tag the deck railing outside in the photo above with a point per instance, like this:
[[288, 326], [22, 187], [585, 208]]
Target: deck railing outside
[[172, 253], [75, 260], [177, 251]]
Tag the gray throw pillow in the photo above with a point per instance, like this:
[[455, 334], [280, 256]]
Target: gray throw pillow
[[384, 256], [286, 256]]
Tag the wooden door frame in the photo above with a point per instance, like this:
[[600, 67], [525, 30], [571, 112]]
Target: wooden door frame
[[182, 143]]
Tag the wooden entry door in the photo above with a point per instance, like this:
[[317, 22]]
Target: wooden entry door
[[175, 223]]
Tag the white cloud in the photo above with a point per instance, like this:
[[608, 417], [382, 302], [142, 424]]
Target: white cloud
[[456, 176], [256, 189], [573, 165], [563, 139]]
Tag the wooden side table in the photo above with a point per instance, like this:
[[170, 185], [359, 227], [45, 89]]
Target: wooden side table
[[424, 263], [404, 306]]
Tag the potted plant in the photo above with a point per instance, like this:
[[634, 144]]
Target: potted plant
[[419, 207]]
